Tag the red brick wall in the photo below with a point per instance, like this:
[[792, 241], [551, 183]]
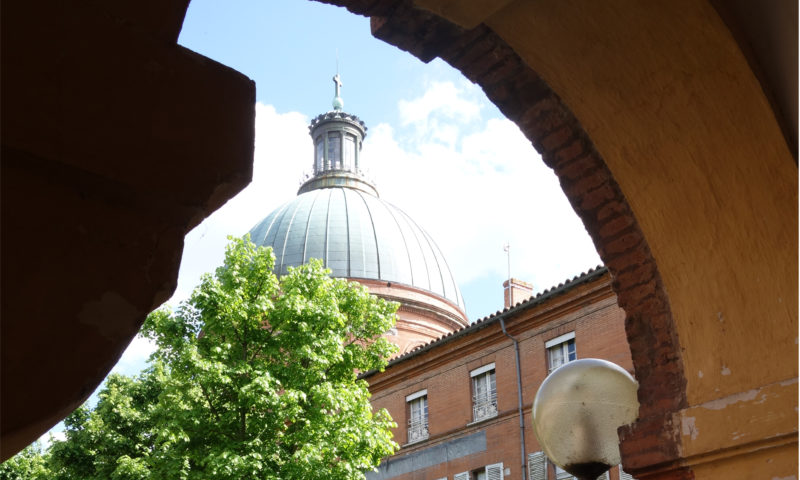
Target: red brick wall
[[590, 310]]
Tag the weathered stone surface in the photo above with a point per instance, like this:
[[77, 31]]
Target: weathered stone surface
[[115, 142]]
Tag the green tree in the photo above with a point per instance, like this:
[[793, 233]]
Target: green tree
[[29, 464], [262, 374], [115, 440], [253, 377]]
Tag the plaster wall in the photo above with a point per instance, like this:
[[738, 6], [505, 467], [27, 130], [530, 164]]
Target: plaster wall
[[709, 179], [672, 106]]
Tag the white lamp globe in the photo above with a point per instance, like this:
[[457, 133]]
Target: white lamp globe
[[577, 411]]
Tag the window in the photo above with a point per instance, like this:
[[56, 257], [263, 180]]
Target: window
[[489, 472], [484, 393], [417, 416], [320, 158], [537, 469], [623, 475], [334, 150], [562, 474], [349, 152], [537, 466], [560, 350]]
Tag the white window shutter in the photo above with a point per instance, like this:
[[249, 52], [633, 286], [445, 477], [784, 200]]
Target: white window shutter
[[494, 472], [461, 476], [604, 476], [537, 466], [562, 474], [623, 475]]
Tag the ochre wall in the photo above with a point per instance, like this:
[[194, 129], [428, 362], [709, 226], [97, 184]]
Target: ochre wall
[[672, 106], [661, 91], [667, 106]]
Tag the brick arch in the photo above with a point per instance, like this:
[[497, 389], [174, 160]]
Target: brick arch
[[524, 98]]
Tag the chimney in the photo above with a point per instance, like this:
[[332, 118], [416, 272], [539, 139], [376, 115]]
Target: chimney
[[519, 292]]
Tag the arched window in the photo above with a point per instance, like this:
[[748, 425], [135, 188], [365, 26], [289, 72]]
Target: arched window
[[319, 158], [335, 150], [349, 153]]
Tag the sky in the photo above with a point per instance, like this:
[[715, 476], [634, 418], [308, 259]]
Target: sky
[[436, 147]]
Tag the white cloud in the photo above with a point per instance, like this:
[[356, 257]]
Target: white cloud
[[442, 107], [477, 191], [473, 183], [283, 153]]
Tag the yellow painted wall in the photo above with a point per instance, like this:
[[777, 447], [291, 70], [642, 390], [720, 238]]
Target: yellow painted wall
[[674, 109], [672, 106]]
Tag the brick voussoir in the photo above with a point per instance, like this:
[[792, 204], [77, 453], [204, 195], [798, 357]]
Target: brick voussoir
[[498, 72], [588, 180], [596, 198], [477, 56], [557, 139], [577, 150], [623, 243], [615, 226]]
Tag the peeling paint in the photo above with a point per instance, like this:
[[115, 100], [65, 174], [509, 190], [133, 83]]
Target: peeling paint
[[790, 477], [721, 403], [699, 374], [725, 370], [720, 317], [688, 427], [786, 383]]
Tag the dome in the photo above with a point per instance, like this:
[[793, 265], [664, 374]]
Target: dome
[[358, 236], [339, 218]]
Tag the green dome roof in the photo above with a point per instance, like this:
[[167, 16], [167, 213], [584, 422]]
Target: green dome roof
[[357, 235], [338, 217]]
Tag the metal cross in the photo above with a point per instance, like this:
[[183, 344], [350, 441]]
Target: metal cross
[[338, 83]]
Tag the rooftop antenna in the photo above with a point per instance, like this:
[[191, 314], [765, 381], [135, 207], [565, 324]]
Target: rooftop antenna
[[507, 249]]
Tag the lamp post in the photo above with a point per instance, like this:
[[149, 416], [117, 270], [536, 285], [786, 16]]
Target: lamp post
[[577, 411]]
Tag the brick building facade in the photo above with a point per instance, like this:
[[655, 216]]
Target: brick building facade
[[456, 402]]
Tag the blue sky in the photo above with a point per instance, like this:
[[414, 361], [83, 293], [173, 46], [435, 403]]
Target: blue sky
[[436, 147]]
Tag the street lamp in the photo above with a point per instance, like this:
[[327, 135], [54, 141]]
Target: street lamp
[[577, 411]]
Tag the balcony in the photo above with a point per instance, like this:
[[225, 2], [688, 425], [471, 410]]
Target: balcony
[[417, 430], [484, 406]]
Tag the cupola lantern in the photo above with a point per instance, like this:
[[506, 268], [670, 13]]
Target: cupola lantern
[[337, 138]]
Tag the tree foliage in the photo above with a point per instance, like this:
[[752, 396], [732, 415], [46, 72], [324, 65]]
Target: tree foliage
[[29, 464], [253, 377], [110, 441]]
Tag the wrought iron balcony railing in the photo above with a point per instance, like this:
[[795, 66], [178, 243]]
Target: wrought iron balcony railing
[[484, 406], [417, 429]]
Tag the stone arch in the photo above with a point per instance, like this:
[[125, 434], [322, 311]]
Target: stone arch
[[729, 268], [484, 58], [488, 44]]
